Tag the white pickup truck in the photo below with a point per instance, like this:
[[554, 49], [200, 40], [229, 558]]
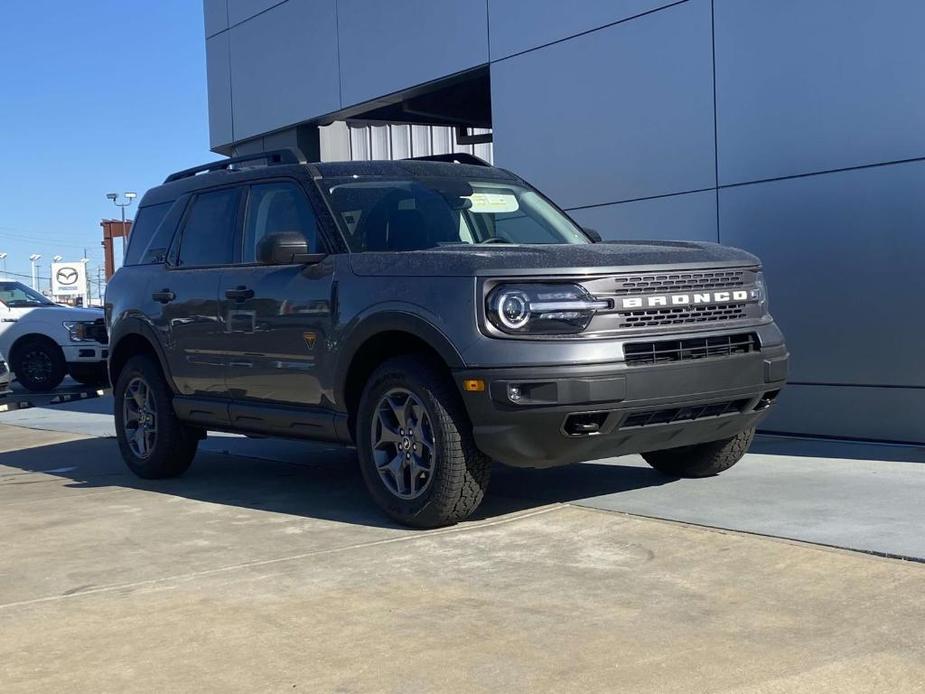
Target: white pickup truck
[[44, 341]]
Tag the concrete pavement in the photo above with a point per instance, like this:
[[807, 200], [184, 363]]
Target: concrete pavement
[[840, 493], [250, 575]]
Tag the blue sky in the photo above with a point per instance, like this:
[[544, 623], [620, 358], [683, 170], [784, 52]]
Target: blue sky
[[95, 96]]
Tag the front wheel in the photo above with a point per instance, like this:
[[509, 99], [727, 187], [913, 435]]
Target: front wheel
[[39, 365], [702, 459], [154, 443], [415, 445]]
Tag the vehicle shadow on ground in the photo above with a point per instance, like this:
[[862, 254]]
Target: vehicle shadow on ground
[[326, 485], [769, 444]]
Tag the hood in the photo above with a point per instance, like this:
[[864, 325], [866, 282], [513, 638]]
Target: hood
[[57, 313], [609, 256]]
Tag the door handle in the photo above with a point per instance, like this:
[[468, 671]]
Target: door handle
[[240, 293], [165, 296]]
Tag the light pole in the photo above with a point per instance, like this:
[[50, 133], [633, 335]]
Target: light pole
[[35, 275], [129, 197], [3, 260], [87, 297]]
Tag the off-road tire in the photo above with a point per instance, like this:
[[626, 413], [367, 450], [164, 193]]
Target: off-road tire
[[702, 459], [94, 375], [52, 357], [460, 470], [175, 443]]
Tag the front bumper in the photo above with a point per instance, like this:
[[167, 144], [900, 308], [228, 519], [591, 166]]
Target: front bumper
[[85, 352], [536, 432]]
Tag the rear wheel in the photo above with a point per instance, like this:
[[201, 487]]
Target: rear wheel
[[702, 459], [39, 365], [415, 445], [153, 442]]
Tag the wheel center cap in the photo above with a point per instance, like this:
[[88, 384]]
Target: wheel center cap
[[406, 443]]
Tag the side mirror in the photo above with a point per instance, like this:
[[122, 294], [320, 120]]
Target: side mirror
[[286, 248], [592, 234]]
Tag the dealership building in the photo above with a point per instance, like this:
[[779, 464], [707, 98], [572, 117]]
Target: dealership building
[[795, 130]]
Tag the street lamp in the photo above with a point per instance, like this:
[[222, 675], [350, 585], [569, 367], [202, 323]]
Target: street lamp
[[35, 275], [129, 197], [3, 260], [87, 296]]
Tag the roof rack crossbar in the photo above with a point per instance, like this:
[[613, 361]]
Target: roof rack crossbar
[[274, 157], [454, 158]]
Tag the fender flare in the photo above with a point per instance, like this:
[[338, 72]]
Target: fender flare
[[387, 321], [130, 326]]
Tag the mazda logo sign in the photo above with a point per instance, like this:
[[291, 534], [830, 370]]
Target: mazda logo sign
[[67, 276]]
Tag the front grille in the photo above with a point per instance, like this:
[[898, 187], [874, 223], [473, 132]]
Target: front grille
[[665, 283], [663, 351], [684, 414], [97, 331], [654, 317]]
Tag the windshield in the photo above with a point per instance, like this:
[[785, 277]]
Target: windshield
[[18, 295], [380, 214]]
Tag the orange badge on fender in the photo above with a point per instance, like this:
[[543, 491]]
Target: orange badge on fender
[[309, 338]]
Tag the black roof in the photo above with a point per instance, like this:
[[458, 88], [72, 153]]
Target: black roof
[[224, 171]]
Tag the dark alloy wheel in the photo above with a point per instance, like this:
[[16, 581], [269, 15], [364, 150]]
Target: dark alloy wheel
[[415, 445], [39, 366], [139, 417], [153, 442], [403, 444]]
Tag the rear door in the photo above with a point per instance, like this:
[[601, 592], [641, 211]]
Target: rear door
[[202, 250], [277, 318]]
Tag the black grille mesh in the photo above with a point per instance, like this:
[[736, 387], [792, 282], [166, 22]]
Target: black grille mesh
[[683, 414], [677, 315], [662, 283], [661, 351]]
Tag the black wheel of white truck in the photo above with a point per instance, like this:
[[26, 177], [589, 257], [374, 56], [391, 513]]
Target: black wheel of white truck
[[154, 443], [415, 445], [702, 459], [39, 365]]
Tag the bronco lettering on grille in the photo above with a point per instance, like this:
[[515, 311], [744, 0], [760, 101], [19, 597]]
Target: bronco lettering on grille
[[697, 298]]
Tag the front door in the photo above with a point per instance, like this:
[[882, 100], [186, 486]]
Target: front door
[[276, 319]]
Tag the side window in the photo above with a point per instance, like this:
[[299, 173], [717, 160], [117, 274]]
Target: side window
[[209, 229], [274, 208], [143, 233]]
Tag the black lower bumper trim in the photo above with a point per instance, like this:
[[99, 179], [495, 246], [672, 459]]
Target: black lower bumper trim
[[635, 409]]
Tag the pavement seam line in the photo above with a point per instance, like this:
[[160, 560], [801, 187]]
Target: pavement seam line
[[808, 544], [294, 557]]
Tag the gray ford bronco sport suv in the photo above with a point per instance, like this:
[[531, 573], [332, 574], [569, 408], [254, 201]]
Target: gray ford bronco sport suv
[[438, 314]]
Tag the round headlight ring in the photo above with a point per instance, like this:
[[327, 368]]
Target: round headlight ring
[[513, 309]]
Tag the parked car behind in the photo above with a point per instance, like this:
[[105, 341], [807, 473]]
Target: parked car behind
[[5, 377], [45, 341]]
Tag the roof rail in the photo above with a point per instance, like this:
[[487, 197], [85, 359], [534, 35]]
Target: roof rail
[[454, 158], [272, 158]]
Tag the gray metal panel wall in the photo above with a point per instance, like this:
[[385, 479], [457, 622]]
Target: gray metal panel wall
[[219, 86], [816, 86], [215, 16], [843, 254], [284, 66], [389, 46], [519, 25], [622, 113], [690, 216], [242, 10]]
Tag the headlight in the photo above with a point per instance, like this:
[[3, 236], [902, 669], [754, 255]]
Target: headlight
[[79, 331], [542, 309]]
